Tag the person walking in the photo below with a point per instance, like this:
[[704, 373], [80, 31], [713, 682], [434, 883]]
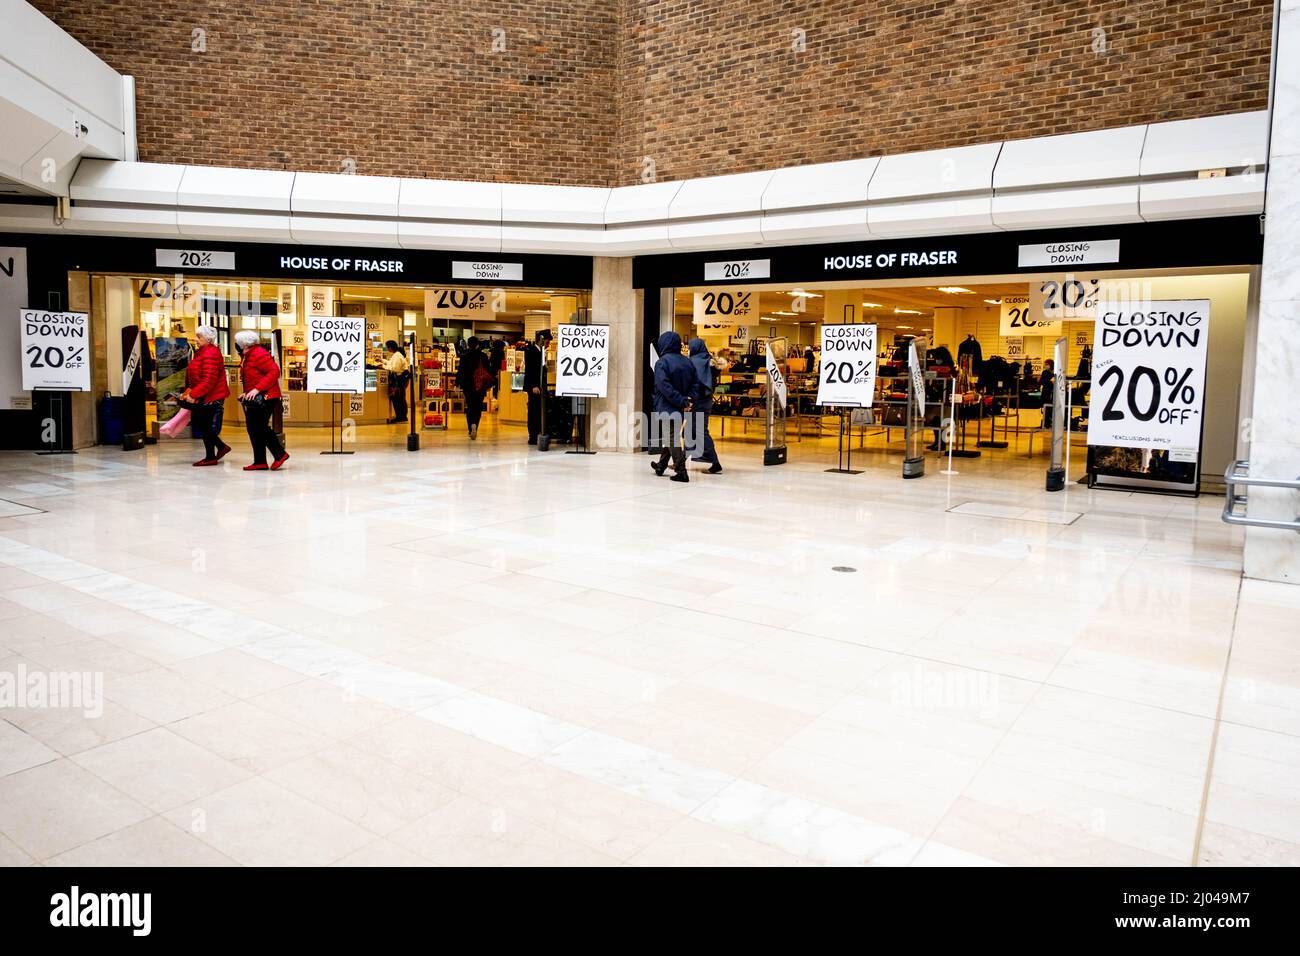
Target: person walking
[[676, 387], [475, 381], [702, 362], [260, 375], [205, 393], [399, 377]]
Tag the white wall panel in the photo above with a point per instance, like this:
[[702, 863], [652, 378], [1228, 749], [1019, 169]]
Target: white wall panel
[[734, 195], [340, 195], [565, 205], [1094, 205], [820, 184], [1214, 142], [218, 187], [1104, 154]]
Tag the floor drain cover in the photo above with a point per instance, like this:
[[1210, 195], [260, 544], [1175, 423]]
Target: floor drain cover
[[843, 568]]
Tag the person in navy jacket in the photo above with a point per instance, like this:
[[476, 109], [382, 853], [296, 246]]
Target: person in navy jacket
[[676, 389]]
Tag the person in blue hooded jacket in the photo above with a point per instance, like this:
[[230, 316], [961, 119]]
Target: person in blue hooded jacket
[[700, 358], [676, 389]]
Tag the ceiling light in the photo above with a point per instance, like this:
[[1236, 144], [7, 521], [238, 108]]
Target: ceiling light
[[898, 311], [805, 295], [993, 301], [902, 326], [955, 290], [785, 313], [872, 305]]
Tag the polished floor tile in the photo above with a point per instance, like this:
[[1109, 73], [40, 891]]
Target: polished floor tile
[[479, 654]]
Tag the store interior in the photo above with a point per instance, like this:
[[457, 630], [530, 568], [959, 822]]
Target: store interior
[[169, 309], [998, 379]]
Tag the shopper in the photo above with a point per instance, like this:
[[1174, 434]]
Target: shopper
[[703, 364], [676, 387], [474, 380], [1047, 385], [205, 393], [399, 379], [535, 382], [498, 365], [261, 400]]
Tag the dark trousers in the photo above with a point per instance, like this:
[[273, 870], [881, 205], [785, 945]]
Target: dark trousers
[[474, 407], [398, 397], [257, 419], [671, 436], [206, 420], [703, 442], [534, 417]]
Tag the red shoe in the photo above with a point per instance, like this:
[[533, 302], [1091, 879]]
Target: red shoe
[[275, 466], [205, 461], [225, 450], [255, 468]]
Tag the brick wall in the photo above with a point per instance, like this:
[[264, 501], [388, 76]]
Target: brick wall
[[586, 90], [724, 90], [402, 87]]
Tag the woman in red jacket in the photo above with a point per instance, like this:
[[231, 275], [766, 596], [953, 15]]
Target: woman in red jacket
[[261, 397], [205, 391]]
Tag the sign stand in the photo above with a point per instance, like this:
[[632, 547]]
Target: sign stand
[[56, 399], [580, 409], [336, 424], [844, 456]]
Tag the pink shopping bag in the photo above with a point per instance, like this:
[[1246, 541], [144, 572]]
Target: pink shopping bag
[[176, 423]]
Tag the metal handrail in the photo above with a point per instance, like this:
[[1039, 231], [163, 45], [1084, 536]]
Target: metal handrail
[[1238, 474]]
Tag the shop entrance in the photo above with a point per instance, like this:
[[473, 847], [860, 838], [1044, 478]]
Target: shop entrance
[[438, 332], [991, 367]]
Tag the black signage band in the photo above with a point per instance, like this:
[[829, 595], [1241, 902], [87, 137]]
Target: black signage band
[[1225, 241], [320, 265]]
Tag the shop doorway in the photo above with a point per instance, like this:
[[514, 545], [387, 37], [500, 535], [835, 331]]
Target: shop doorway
[[434, 328], [999, 369]]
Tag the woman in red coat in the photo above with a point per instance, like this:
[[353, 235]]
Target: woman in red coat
[[206, 390], [261, 398]]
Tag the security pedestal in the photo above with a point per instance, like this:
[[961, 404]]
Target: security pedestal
[[1060, 420]]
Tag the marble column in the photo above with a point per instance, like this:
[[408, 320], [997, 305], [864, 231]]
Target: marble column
[[1274, 427], [615, 303]]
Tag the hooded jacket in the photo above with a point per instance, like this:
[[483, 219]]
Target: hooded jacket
[[703, 363], [676, 383]]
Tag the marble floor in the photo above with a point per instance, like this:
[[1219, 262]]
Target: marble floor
[[479, 654]]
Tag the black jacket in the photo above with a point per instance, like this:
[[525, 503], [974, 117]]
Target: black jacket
[[532, 367]]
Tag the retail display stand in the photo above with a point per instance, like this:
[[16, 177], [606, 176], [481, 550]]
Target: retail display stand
[[433, 375]]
